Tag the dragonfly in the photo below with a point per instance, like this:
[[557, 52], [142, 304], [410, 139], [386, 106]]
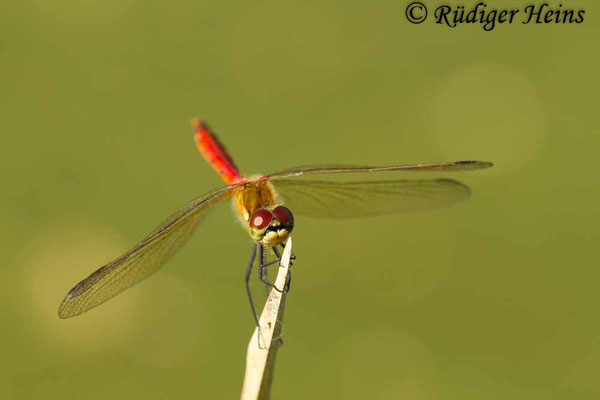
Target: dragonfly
[[261, 203]]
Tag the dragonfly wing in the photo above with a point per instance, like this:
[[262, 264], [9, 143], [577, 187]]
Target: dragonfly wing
[[366, 199], [142, 260], [335, 169]]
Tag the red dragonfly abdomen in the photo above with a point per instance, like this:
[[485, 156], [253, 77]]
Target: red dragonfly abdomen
[[215, 153]]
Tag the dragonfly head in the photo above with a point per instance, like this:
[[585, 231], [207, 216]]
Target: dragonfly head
[[271, 227]]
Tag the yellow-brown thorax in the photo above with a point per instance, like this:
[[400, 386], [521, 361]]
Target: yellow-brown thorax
[[254, 195]]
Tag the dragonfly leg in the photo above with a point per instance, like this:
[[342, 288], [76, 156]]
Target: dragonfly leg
[[248, 271], [262, 267], [277, 253], [292, 256], [263, 272]]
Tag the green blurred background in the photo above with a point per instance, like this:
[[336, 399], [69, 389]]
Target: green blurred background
[[494, 298]]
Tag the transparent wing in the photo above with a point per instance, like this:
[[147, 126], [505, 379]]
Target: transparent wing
[[335, 169], [142, 260], [366, 199]]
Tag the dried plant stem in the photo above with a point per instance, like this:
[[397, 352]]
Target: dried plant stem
[[262, 349]]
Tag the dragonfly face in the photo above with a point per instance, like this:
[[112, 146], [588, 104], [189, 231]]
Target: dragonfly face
[[271, 227]]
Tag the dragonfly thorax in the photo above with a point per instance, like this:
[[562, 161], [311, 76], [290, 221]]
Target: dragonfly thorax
[[254, 195]]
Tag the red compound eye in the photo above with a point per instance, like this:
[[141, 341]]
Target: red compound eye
[[261, 219], [283, 215]]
